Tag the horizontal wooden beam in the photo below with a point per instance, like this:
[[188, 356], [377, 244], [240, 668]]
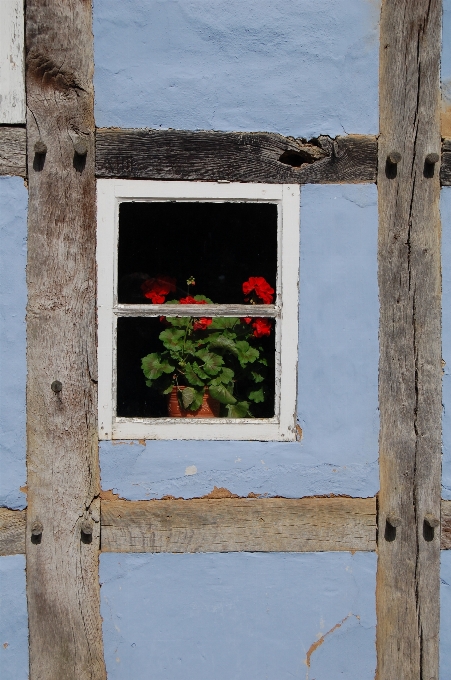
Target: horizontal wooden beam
[[13, 150], [227, 525], [239, 524], [445, 170], [234, 157]]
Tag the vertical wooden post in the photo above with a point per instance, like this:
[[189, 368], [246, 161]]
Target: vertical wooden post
[[410, 341], [63, 477]]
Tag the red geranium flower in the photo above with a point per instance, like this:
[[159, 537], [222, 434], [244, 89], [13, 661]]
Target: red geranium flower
[[261, 287], [246, 319], [191, 301], [156, 289], [201, 324], [261, 327]]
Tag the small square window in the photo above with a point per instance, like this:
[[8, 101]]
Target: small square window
[[197, 310]]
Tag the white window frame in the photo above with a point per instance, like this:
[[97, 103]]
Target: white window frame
[[282, 427]]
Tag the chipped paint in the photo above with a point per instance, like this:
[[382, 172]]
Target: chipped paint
[[314, 646], [238, 615]]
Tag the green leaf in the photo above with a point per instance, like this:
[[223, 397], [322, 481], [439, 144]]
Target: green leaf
[[224, 322], [238, 410], [257, 377], [191, 376], [178, 321], [226, 375], [212, 362], [172, 338], [153, 366], [246, 353], [258, 396], [202, 298], [187, 396], [197, 401], [197, 369], [224, 343], [220, 393]]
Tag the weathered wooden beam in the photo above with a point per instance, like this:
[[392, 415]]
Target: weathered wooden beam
[[63, 528], [12, 531], [410, 341], [13, 151], [446, 526], [203, 525], [234, 156], [239, 524], [445, 170]]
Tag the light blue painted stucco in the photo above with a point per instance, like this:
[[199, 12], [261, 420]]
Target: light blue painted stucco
[[446, 341], [297, 67], [446, 53], [13, 299], [239, 615], [445, 615], [338, 368], [13, 619]]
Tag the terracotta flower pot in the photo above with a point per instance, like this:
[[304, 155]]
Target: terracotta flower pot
[[208, 409]]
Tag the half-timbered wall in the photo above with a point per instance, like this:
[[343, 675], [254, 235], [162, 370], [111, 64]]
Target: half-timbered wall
[[300, 69], [234, 68]]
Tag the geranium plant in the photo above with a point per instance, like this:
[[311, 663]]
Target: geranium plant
[[223, 355]]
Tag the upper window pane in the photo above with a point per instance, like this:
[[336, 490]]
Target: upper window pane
[[219, 244]]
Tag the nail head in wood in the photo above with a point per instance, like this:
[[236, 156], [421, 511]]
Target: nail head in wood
[[37, 528], [431, 521], [40, 148], [432, 158], [86, 527], [394, 157], [394, 520], [56, 386], [80, 147]]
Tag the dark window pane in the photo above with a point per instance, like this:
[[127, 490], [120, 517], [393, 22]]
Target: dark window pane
[[139, 337], [221, 245]]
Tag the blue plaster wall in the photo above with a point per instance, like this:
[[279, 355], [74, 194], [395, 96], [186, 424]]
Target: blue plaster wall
[[446, 53], [338, 370], [298, 67], [13, 619], [446, 346], [238, 615], [13, 298], [445, 615]]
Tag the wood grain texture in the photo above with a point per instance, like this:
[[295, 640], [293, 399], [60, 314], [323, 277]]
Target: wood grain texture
[[233, 156], [12, 85], [446, 526], [445, 169], [13, 151], [410, 341], [120, 533], [62, 456], [239, 524], [12, 531]]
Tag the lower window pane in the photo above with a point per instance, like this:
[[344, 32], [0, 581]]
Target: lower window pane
[[231, 358]]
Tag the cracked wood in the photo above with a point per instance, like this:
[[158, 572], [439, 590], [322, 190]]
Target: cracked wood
[[410, 341], [123, 535], [239, 524], [62, 452], [445, 170], [233, 156]]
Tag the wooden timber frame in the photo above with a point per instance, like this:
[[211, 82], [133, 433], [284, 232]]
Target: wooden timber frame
[[410, 370], [66, 523]]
